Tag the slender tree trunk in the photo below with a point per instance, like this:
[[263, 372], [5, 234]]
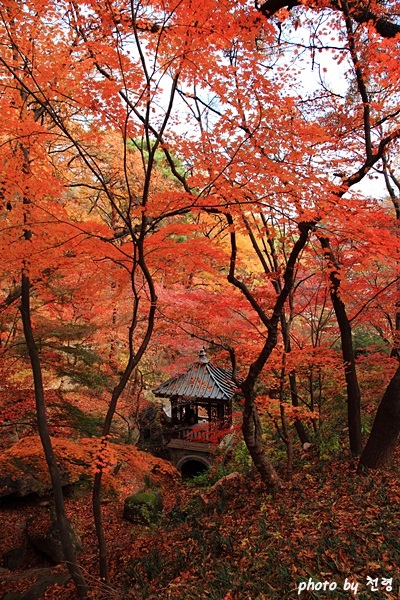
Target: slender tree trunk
[[385, 430], [269, 250], [395, 352], [133, 361], [287, 438], [353, 389], [300, 429], [251, 427], [112, 357], [62, 521], [285, 432], [269, 261], [96, 493], [54, 471]]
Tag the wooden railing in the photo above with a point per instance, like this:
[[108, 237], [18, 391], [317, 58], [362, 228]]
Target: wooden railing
[[204, 432]]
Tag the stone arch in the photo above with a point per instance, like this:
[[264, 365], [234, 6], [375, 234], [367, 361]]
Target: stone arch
[[192, 465]]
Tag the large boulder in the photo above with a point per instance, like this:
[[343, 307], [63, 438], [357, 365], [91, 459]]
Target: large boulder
[[23, 468], [144, 507], [224, 488]]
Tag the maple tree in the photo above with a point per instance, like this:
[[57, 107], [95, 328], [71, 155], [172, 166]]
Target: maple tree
[[170, 153], [324, 219]]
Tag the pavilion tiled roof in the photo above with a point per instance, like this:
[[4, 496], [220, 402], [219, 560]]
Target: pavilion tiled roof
[[202, 380]]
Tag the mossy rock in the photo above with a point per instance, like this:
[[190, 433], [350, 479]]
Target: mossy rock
[[144, 507]]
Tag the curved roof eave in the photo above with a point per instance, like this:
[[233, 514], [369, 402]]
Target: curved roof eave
[[202, 381]]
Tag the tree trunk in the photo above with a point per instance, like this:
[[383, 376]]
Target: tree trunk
[[62, 521], [252, 433], [133, 361], [391, 180], [300, 429], [353, 389], [385, 430], [251, 426], [96, 493]]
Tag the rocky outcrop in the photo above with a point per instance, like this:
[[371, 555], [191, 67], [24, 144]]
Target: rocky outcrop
[[23, 468]]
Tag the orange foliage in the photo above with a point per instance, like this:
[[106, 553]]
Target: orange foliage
[[77, 459]]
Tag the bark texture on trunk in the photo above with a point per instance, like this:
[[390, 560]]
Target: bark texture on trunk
[[62, 521], [252, 433], [300, 429], [385, 430], [353, 389]]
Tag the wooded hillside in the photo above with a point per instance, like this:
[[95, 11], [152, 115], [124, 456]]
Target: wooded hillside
[[186, 176]]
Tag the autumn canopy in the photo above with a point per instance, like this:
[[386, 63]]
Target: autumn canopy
[[180, 174]]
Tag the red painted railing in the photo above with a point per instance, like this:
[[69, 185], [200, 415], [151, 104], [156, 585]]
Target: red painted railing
[[204, 432]]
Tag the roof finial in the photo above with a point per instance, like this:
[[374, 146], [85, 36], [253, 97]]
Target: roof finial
[[203, 356]]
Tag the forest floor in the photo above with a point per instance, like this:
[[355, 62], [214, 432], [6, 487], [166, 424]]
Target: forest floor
[[327, 534]]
